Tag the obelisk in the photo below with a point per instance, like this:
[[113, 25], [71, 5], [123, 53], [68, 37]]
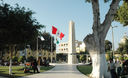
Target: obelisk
[[71, 44]]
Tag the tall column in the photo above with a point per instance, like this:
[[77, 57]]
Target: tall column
[[71, 44]]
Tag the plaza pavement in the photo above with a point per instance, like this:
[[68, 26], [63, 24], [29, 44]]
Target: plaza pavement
[[59, 71], [3, 77]]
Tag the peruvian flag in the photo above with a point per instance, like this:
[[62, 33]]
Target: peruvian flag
[[57, 32], [61, 35], [54, 30]]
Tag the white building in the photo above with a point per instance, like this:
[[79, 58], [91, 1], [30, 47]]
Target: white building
[[63, 47]]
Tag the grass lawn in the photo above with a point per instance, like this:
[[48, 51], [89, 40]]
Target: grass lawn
[[85, 69], [19, 71]]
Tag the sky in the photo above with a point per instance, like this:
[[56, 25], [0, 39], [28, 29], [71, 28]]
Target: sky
[[58, 13]]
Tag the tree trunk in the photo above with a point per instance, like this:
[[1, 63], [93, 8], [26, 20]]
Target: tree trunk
[[100, 68], [95, 42], [11, 49], [10, 65], [95, 46]]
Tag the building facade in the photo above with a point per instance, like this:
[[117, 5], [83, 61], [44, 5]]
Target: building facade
[[63, 47], [28, 52]]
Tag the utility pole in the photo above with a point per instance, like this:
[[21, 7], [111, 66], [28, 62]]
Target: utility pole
[[113, 48], [37, 48]]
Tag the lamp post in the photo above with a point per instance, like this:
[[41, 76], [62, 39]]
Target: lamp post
[[37, 48], [37, 58], [113, 48], [38, 55]]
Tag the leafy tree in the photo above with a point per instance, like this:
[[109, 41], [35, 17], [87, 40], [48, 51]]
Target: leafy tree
[[121, 58], [81, 54], [82, 58], [123, 47], [18, 27], [108, 46], [95, 42], [30, 59], [15, 59], [21, 59], [61, 57], [108, 56], [122, 14], [45, 44]]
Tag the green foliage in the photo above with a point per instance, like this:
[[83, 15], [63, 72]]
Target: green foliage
[[125, 58], [108, 46], [121, 57], [122, 14], [18, 26], [61, 57], [46, 44], [123, 47], [30, 59], [82, 58], [15, 59], [21, 59], [109, 55]]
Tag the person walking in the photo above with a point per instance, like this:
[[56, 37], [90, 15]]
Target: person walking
[[112, 69], [118, 67], [34, 66]]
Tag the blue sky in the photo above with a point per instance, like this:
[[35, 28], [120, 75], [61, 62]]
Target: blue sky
[[59, 12]]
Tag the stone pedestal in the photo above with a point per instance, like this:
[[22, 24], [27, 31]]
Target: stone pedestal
[[71, 44]]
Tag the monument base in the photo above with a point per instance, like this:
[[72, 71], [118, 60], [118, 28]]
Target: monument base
[[72, 59]]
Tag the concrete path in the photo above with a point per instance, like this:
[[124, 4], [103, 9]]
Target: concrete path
[[60, 71], [3, 77]]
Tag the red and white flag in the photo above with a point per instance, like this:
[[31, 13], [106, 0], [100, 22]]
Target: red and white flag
[[61, 35], [54, 30], [57, 32]]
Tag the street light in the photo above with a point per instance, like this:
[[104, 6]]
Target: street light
[[38, 59], [37, 48], [113, 49]]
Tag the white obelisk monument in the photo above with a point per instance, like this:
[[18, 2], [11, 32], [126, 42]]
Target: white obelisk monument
[[71, 44]]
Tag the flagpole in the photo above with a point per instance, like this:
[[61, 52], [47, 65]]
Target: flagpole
[[56, 32], [51, 49], [56, 45]]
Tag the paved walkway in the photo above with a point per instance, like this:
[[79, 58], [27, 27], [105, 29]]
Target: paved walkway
[[3, 77], [59, 71]]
